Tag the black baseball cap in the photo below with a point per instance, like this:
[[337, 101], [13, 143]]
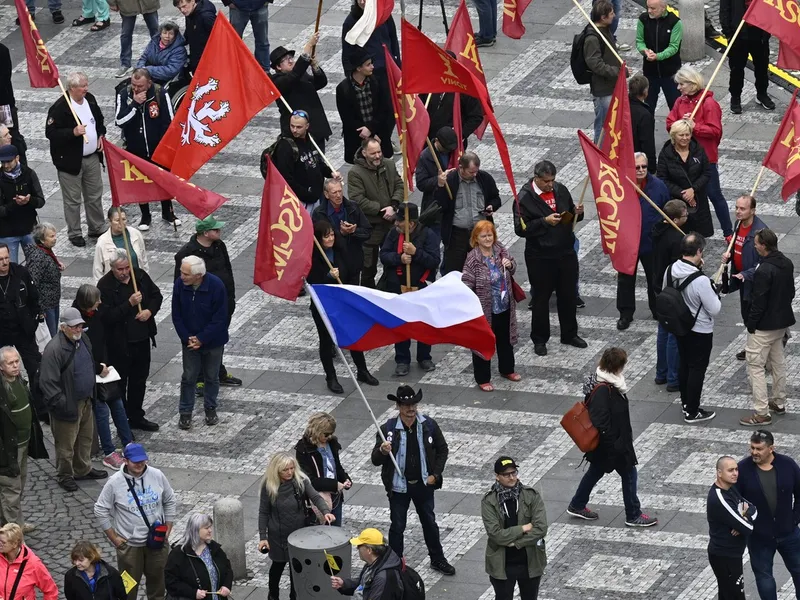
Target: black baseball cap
[[447, 138], [504, 463]]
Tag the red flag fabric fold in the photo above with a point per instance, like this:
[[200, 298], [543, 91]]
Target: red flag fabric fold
[[791, 178], [228, 89], [42, 71], [134, 180], [512, 17], [285, 239], [778, 153], [778, 17], [788, 58]]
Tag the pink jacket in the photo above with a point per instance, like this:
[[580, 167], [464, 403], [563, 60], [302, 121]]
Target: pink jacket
[[34, 575], [707, 121]]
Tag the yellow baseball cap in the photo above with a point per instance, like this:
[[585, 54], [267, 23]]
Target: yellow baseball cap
[[370, 536]]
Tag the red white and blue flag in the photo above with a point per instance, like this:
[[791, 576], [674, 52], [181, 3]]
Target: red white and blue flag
[[376, 13]]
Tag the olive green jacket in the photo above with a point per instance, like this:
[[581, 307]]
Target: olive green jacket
[[530, 510]]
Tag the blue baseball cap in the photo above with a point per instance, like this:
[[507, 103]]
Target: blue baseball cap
[[134, 452]]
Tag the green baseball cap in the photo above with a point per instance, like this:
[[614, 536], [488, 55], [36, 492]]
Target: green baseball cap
[[209, 223]]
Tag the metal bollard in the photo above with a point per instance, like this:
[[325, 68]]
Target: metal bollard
[[229, 533], [693, 46]]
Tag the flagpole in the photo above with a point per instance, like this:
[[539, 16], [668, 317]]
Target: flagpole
[[602, 37], [71, 108], [350, 372], [438, 165], [127, 242], [404, 151], [718, 274], [325, 256], [654, 205], [316, 28], [758, 180], [719, 66], [310, 137]]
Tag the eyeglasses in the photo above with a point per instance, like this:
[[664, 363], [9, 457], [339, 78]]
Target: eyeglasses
[[300, 113], [328, 433], [641, 167], [509, 474]]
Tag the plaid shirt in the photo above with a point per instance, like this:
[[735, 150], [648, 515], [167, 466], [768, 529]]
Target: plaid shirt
[[364, 99]]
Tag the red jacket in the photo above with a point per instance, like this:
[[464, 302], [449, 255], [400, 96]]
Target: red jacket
[[707, 121], [35, 575]]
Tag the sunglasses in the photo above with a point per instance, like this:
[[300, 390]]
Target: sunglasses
[[300, 113]]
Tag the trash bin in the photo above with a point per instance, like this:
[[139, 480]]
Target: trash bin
[[310, 569]]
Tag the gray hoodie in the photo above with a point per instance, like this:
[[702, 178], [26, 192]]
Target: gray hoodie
[[699, 291], [115, 507]]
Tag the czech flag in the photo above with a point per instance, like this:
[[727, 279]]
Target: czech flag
[[445, 312], [376, 13]]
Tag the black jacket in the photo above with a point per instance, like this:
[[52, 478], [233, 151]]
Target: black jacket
[[24, 297], [425, 260], [109, 585], [610, 414], [184, 568], [9, 463], [385, 34], [300, 91], [657, 34], [731, 13], [491, 197], [310, 461], [16, 220], [353, 244], [66, 149], [319, 271], [143, 125], [666, 250], [724, 516], [436, 450], [426, 177], [382, 116], [787, 511], [119, 317], [694, 173], [772, 295], [643, 125], [7, 97], [440, 109], [217, 263], [383, 583], [302, 167], [198, 29], [541, 239]]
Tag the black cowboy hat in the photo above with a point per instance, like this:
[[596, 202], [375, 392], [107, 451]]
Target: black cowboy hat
[[406, 395]]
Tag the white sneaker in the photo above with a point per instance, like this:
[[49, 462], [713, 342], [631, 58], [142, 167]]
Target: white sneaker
[[123, 71], [177, 222], [623, 47], [143, 227]]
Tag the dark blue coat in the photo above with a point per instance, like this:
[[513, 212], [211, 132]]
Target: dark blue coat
[[787, 476], [198, 29], [143, 125], [658, 193], [750, 260], [202, 312], [164, 64], [423, 264]]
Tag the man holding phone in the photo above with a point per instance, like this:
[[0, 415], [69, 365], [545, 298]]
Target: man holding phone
[[20, 196]]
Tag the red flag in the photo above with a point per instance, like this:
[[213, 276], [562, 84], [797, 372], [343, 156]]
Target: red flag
[[788, 58], [418, 121], [428, 68], [134, 180], [791, 180], [285, 239], [228, 89], [461, 41], [618, 208], [780, 18], [512, 17], [42, 71], [778, 152]]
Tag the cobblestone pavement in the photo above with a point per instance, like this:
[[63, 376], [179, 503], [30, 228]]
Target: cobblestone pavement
[[273, 342]]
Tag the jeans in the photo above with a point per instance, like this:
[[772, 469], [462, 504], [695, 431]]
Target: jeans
[[14, 243], [633, 509], [695, 354], [53, 5], [259, 19], [714, 192], [51, 319], [667, 356], [402, 352], [116, 409], [126, 35], [487, 18], [762, 553], [338, 504], [208, 361], [665, 84], [601, 104], [422, 496]]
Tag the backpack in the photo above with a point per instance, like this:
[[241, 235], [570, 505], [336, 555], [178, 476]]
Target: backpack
[[671, 308], [413, 586], [270, 151], [577, 60]]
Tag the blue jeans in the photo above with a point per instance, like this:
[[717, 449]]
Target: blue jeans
[[402, 352], [14, 244], [53, 5], [51, 318], [601, 105], [337, 510], [117, 410], [126, 35], [594, 474], [259, 19], [422, 496], [714, 191], [208, 361], [487, 18], [667, 356], [762, 553], [665, 84]]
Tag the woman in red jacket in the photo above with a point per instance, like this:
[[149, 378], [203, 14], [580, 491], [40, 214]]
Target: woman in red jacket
[[707, 125], [20, 569]]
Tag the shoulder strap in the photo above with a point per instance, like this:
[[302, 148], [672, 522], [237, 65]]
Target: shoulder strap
[[18, 578], [136, 499], [70, 359], [594, 389], [682, 286]]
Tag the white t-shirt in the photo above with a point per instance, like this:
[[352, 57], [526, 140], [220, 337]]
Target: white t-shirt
[[84, 112]]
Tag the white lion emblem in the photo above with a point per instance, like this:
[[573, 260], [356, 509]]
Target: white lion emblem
[[195, 123]]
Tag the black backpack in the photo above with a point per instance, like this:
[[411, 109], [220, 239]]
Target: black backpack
[[671, 308], [270, 150], [413, 586], [577, 59]]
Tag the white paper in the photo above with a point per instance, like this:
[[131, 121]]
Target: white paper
[[112, 376]]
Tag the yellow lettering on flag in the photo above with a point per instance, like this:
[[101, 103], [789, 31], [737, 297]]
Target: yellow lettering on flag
[[289, 222], [614, 133], [788, 10], [510, 8], [128, 581], [470, 51], [133, 174], [794, 153], [787, 141], [611, 193]]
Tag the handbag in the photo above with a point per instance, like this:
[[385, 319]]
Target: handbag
[[578, 425], [108, 391], [326, 496], [157, 532], [516, 291]]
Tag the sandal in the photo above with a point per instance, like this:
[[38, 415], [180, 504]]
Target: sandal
[[486, 387], [82, 21], [512, 376], [100, 25]]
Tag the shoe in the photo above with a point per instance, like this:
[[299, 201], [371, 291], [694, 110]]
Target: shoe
[[199, 390], [540, 349], [123, 72], [211, 416], [143, 424], [765, 101], [427, 365], [58, 17], [401, 370], [230, 381], [28, 528], [68, 484], [176, 221], [334, 385], [577, 341], [77, 241], [658, 381], [486, 387], [642, 521], [367, 377], [741, 355], [711, 32], [736, 105], [699, 416], [144, 227], [778, 410], [484, 42], [185, 421], [96, 234], [579, 303], [584, 513], [623, 323], [443, 567], [80, 21], [113, 460], [512, 376], [623, 47], [94, 474], [755, 420], [673, 388], [100, 25]]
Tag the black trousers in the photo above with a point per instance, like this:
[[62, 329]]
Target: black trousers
[[274, 585], [744, 305], [325, 345], [759, 50], [626, 288], [730, 579], [695, 354], [166, 211], [557, 274], [501, 326], [455, 254], [133, 367], [516, 574]]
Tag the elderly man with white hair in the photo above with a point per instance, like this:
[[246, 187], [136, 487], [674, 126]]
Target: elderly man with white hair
[[200, 317], [76, 150]]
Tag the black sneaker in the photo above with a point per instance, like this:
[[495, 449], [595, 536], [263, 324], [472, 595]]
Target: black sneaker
[[230, 380], [584, 513], [401, 369], [58, 17], [642, 520], [673, 388], [711, 31], [68, 484], [185, 421], [579, 303], [94, 474], [736, 105], [741, 355], [484, 43], [699, 416], [443, 567], [211, 416], [427, 365], [765, 101], [334, 385], [367, 377], [623, 323], [144, 425], [540, 349]]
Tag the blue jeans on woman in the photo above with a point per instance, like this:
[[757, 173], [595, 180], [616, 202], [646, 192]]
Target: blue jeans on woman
[[126, 35], [338, 504], [762, 555], [259, 19], [714, 191], [51, 320], [117, 411], [629, 481], [487, 18], [666, 356], [14, 243]]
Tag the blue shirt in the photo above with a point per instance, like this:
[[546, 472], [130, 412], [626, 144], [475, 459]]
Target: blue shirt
[[500, 302], [213, 574], [328, 462]]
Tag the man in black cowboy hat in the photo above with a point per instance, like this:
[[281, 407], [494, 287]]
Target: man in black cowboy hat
[[421, 453]]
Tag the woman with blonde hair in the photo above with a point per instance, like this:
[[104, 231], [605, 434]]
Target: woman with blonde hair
[[282, 511], [488, 271], [20, 568], [92, 578], [198, 566], [318, 456]]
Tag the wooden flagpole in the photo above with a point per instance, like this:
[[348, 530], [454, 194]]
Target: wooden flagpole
[[654, 205], [325, 257], [719, 66], [602, 37], [316, 27], [758, 180], [127, 243]]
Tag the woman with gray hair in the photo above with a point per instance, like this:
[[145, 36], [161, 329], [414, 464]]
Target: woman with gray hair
[[45, 270], [198, 567], [113, 240]]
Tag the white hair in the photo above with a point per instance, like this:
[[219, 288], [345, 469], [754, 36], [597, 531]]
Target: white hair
[[197, 264], [41, 229], [6, 350], [75, 78], [640, 155], [119, 256]]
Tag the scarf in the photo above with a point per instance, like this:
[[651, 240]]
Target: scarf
[[618, 381], [49, 252], [505, 494], [14, 173]]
